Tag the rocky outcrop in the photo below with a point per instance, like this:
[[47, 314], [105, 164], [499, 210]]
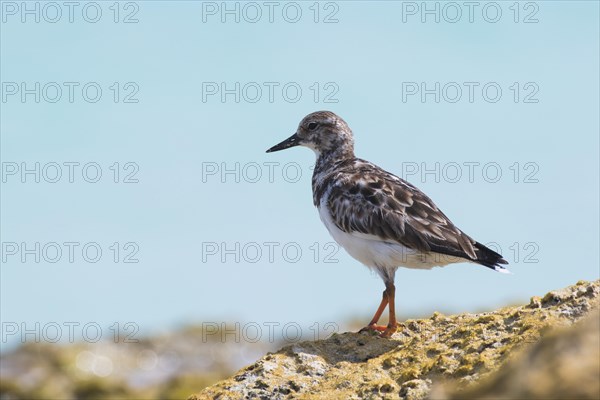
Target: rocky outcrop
[[563, 365], [494, 354]]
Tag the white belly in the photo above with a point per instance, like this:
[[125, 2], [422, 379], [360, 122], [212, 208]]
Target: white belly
[[383, 256]]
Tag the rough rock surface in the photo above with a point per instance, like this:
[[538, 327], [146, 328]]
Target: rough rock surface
[[449, 353], [562, 365]]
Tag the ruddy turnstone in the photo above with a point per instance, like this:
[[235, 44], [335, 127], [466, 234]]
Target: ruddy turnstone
[[379, 219]]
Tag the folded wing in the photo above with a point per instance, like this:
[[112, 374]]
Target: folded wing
[[378, 203]]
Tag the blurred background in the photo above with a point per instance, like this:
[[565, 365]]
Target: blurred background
[[151, 247]]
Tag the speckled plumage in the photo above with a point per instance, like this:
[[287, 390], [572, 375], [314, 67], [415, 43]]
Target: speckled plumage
[[380, 219]]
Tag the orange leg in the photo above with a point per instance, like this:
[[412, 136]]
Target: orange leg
[[373, 324], [393, 324]]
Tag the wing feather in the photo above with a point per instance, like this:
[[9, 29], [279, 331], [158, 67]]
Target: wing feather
[[372, 201]]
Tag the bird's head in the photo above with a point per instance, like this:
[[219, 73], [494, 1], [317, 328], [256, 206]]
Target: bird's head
[[324, 132]]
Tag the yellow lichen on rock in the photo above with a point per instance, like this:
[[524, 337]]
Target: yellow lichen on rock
[[564, 364], [459, 349]]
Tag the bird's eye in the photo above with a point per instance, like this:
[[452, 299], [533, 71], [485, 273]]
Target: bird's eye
[[312, 126]]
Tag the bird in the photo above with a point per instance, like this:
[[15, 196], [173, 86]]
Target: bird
[[381, 220]]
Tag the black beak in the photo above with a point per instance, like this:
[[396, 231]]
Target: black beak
[[292, 141]]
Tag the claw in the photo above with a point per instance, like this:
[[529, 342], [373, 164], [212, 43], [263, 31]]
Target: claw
[[388, 332], [373, 328]]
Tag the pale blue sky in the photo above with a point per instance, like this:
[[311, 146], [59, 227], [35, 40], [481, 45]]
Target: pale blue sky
[[173, 136]]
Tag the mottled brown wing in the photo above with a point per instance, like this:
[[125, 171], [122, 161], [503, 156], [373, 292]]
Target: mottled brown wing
[[384, 205]]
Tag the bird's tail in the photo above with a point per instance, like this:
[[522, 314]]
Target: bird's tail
[[489, 258]]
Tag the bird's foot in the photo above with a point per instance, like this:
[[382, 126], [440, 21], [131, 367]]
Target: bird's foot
[[389, 331], [373, 328]]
